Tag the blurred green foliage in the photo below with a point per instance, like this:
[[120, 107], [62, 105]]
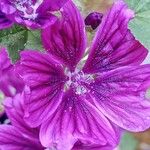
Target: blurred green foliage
[[19, 38], [140, 25], [128, 142]]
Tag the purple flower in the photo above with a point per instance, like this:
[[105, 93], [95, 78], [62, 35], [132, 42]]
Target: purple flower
[[4, 21], [31, 13], [94, 19], [18, 135], [10, 83], [72, 103]]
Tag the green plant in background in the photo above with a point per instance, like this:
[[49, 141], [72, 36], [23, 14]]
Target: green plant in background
[[128, 142], [18, 38], [140, 25]]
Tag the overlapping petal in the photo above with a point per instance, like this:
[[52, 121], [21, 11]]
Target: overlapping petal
[[76, 119], [120, 96], [52, 5], [12, 139], [34, 14], [18, 135], [66, 39], [81, 146], [114, 46], [4, 22], [10, 83], [14, 108], [46, 79]]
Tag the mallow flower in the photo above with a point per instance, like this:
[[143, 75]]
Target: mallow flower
[[34, 14], [10, 82], [72, 101], [19, 135]]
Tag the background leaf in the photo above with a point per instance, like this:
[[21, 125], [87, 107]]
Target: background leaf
[[34, 40], [18, 38], [140, 25], [128, 142], [14, 39]]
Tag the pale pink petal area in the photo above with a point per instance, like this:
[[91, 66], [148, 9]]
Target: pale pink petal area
[[121, 96], [66, 39], [45, 78], [76, 119], [114, 45], [12, 139]]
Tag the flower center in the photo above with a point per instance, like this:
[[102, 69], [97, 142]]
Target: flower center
[[78, 81], [27, 8]]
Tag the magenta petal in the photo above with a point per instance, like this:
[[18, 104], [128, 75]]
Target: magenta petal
[[76, 119], [45, 78], [52, 5], [10, 83], [81, 146], [43, 21], [120, 96], [12, 139], [32, 14], [65, 39], [114, 45], [4, 59], [15, 111], [4, 22]]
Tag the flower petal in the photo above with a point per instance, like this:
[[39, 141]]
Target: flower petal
[[10, 83], [81, 146], [41, 22], [120, 96], [32, 14], [5, 67], [4, 22], [46, 79], [15, 112], [65, 39], [114, 45], [52, 5], [4, 59], [76, 119], [12, 139]]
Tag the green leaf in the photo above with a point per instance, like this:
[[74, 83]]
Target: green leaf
[[128, 142], [140, 25], [34, 41], [14, 39], [18, 38]]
